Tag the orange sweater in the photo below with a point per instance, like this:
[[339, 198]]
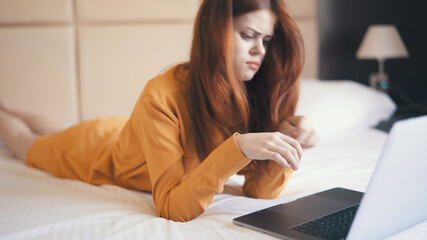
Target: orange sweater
[[154, 150]]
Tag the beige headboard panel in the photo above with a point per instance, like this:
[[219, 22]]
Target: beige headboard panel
[[304, 12], [79, 59]]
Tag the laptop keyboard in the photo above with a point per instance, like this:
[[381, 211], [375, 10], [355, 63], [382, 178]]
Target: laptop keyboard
[[333, 226]]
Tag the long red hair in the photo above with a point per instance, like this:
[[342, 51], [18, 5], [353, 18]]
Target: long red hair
[[220, 104]]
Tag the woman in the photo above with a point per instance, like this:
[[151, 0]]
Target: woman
[[196, 125]]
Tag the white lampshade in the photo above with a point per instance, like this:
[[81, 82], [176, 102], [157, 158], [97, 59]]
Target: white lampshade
[[382, 42]]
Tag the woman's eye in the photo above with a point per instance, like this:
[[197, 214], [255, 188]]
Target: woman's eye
[[246, 36], [266, 42]]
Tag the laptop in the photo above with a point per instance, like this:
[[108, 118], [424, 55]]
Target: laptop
[[395, 199]]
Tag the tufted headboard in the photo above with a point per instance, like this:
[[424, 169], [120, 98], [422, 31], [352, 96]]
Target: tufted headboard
[[79, 59]]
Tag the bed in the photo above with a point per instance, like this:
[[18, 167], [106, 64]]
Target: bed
[[37, 205]]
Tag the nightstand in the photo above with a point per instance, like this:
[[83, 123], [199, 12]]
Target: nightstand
[[402, 112]]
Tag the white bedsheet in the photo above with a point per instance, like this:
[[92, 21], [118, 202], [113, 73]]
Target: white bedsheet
[[36, 205]]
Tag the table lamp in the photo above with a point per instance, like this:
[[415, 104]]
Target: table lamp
[[381, 42]]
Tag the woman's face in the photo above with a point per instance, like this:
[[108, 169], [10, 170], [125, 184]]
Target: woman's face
[[252, 33]]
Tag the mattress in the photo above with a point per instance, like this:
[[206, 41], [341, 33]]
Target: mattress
[[37, 205]]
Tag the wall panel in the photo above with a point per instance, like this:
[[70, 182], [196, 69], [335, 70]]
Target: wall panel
[[33, 11], [37, 70], [117, 61]]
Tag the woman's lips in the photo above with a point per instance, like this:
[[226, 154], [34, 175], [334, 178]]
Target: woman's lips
[[253, 65]]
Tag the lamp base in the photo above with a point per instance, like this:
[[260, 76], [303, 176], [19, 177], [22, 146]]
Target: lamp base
[[379, 81]]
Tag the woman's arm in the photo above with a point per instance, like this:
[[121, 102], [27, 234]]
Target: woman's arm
[[299, 127], [182, 197], [265, 183], [178, 196], [270, 180], [275, 146]]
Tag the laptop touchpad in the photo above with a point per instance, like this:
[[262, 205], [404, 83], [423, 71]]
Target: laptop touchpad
[[310, 207]]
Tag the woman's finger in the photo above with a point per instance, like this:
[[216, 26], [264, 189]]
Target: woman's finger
[[278, 159], [293, 142], [312, 140], [288, 153], [305, 138]]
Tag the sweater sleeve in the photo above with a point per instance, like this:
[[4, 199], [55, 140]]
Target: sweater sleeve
[[267, 183], [177, 196]]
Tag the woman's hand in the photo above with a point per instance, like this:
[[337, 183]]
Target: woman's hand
[[276, 146], [298, 127]]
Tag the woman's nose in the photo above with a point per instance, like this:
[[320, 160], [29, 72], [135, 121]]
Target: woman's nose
[[258, 48]]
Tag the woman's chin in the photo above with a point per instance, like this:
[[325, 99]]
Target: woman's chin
[[246, 77]]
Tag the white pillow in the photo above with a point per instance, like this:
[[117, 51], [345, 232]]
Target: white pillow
[[337, 106]]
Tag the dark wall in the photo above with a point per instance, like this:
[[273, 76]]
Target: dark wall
[[342, 25]]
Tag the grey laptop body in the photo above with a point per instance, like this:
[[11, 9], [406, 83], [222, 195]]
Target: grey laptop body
[[395, 199]]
